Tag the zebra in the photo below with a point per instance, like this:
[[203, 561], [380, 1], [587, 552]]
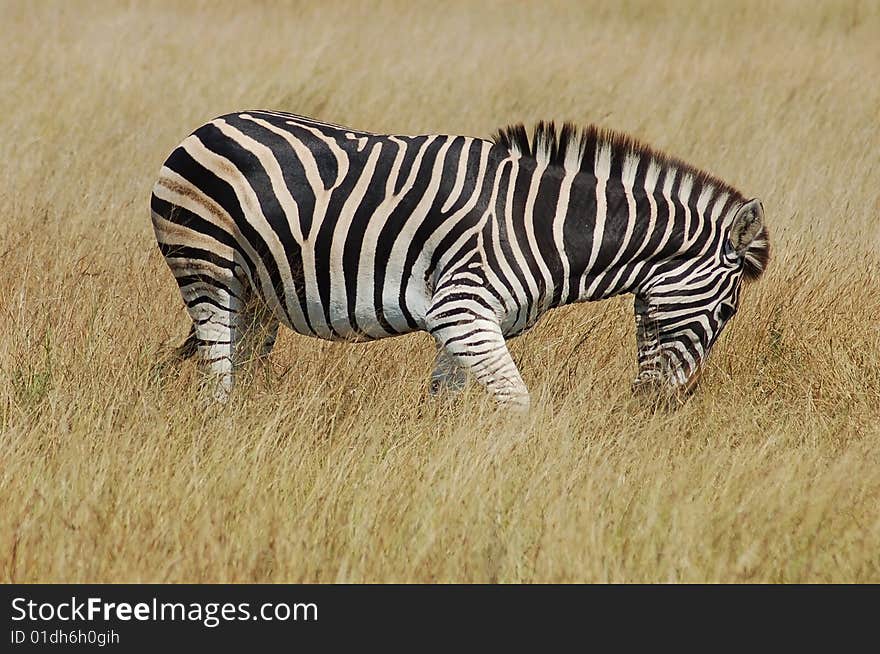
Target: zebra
[[267, 217]]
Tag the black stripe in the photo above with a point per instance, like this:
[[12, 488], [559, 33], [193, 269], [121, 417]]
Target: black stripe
[[662, 214], [394, 225], [524, 179], [616, 214], [414, 145], [434, 218], [187, 280], [328, 169], [543, 214], [578, 231], [292, 169], [207, 299], [257, 177], [354, 239], [324, 238], [460, 296], [472, 153], [491, 261], [505, 238], [187, 252], [185, 218], [223, 194]]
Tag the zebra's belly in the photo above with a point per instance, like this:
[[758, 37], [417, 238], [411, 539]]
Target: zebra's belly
[[337, 322]]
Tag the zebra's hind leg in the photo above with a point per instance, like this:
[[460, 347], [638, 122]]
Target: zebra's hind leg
[[476, 344], [231, 328], [217, 309]]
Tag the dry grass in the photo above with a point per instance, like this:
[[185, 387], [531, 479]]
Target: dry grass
[[332, 464]]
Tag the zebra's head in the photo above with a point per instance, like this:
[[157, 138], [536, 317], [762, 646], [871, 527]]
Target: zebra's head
[[683, 308]]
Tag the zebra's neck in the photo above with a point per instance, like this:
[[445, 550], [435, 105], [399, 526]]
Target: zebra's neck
[[596, 235], [607, 212]]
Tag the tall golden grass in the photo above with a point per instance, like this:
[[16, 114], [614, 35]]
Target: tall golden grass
[[331, 463]]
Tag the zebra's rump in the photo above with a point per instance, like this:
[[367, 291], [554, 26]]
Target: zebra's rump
[[334, 230]]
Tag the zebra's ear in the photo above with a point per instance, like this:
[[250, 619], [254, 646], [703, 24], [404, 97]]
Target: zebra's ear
[[747, 224]]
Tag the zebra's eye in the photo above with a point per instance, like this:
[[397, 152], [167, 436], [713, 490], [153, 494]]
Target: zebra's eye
[[726, 311]]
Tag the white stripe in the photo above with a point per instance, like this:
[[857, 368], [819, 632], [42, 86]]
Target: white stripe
[[415, 296], [290, 207], [522, 311], [651, 177], [322, 200], [628, 179], [450, 223], [602, 168], [338, 308], [365, 308], [558, 231], [702, 202], [684, 195], [533, 242], [506, 270]]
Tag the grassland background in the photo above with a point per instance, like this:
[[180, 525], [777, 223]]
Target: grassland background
[[332, 464]]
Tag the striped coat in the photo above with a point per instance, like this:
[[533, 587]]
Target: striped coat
[[267, 218]]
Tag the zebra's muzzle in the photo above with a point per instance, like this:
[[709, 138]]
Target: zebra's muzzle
[[661, 379]]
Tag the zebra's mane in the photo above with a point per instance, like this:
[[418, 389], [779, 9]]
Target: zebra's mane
[[575, 150]]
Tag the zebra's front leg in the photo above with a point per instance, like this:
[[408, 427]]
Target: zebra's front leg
[[476, 344]]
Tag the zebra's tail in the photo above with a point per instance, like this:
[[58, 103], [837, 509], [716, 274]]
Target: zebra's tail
[[186, 349]]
